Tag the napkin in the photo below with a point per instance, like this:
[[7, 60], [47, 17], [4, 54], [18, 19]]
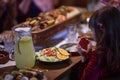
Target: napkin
[[9, 63]]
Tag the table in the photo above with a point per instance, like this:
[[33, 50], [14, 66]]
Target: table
[[59, 73], [52, 74]]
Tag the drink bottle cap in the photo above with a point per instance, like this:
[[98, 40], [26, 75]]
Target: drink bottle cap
[[23, 29]]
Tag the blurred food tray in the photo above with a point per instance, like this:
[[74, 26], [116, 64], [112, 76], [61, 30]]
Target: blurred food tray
[[40, 37], [45, 34]]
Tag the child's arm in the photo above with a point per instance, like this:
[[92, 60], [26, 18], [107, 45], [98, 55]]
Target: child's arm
[[84, 47]]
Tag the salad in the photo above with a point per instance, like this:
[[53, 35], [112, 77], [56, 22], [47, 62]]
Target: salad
[[52, 54]]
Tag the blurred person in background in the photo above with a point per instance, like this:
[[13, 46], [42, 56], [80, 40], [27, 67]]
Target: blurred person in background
[[16, 11], [102, 3], [31, 8], [7, 14]]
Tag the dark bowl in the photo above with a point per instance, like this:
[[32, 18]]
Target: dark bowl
[[4, 57], [55, 65]]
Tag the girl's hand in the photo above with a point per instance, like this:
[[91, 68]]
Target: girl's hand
[[84, 44], [84, 47]]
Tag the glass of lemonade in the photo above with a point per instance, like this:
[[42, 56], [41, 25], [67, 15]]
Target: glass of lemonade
[[24, 50]]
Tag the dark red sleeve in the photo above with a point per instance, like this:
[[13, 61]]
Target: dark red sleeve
[[92, 71]]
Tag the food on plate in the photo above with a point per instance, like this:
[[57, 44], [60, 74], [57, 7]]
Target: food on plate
[[62, 57], [63, 52], [52, 54], [24, 74]]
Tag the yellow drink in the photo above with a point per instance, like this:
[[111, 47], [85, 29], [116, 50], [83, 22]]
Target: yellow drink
[[24, 52]]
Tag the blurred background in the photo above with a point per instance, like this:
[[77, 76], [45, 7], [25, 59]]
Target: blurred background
[[13, 12]]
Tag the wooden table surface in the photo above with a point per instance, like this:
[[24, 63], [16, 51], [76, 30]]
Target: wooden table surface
[[55, 71]]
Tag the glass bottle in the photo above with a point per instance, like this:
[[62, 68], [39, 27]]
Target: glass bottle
[[24, 50]]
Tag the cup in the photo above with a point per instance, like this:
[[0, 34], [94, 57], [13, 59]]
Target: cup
[[8, 41], [83, 47], [72, 34]]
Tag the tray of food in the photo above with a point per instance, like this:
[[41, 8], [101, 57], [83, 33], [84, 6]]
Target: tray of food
[[25, 74], [46, 25]]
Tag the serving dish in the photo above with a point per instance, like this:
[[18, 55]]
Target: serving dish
[[71, 48], [53, 57], [25, 74], [4, 57], [46, 34]]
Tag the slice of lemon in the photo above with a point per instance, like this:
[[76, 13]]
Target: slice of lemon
[[63, 52], [62, 57], [25, 38]]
